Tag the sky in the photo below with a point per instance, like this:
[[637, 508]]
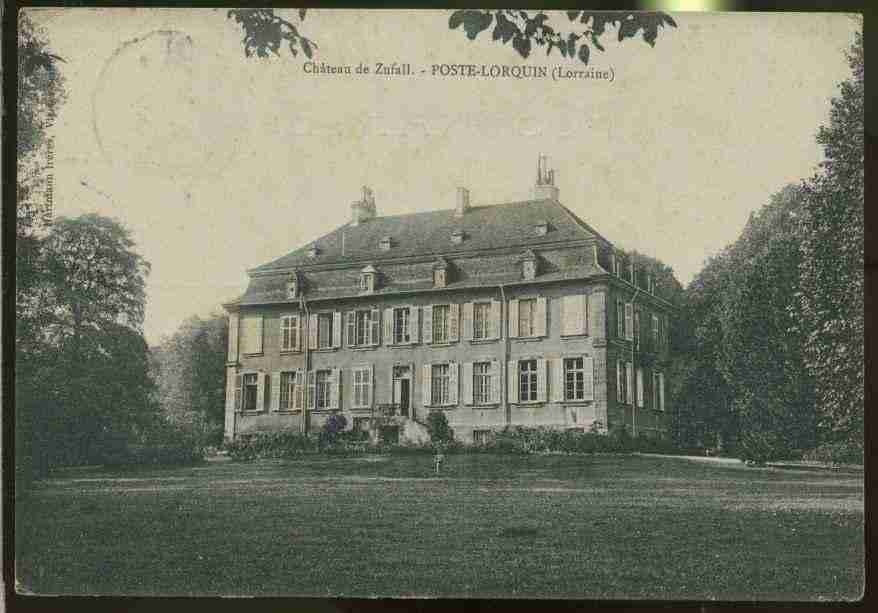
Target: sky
[[218, 163]]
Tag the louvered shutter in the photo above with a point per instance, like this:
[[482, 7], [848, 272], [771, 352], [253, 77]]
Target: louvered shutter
[[233, 337], [274, 386], [298, 399], [588, 377], [375, 330], [336, 329], [335, 391], [428, 324], [629, 383], [415, 324], [312, 331], [620, 319], [370, 395], [239, 395], [468, 321], [541, 316], [311, 400], [556, 370], [541, 380], [351, 328], [512, 381], [388, 327], [427, 383], [586, 315], [564, 308], [495, 319], [391, 399], [620, 396], [467, 383], [453, 383], [260, 391], [662, 391], [453, 323], [495, 381], [513, 318], [629, 323], [639, 376]]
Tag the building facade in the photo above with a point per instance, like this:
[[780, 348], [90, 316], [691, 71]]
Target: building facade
[[511, 314]]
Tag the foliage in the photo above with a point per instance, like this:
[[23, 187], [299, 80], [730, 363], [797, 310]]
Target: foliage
[[841, 452], [526, 440], [761, 446], [830, 300], [270, 445], [527, 29], [189, 370], [332, 429], [437, 426], [265, 31]]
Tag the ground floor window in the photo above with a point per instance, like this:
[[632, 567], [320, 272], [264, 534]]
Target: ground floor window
[[441, 382], [361, 424], [251, 391], [527, 380], [323, 389], [482, 437], [482, 383], [574, 379]]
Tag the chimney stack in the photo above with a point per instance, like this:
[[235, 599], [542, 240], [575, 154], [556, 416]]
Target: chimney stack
[[545, 188], [462, 202], [363, 210]]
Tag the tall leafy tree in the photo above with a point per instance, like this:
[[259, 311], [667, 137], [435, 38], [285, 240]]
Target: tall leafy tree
[[830, 305]]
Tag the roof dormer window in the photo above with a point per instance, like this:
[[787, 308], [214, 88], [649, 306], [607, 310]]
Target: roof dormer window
[[440, 273], [385, 243], [368, 279], [457, 237], [294, 285], [528, 265], [541, 228], [313, 251]]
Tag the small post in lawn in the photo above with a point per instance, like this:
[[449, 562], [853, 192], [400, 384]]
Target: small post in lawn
[[438, 459]]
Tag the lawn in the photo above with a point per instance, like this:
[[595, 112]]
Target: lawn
[[601, 527]]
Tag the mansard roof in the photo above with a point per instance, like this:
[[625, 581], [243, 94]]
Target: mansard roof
[[507, 225]]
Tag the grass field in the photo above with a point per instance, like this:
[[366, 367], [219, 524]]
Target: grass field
[[495, 526]]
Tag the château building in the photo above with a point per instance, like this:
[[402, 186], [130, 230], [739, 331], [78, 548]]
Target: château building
[[517, 313]]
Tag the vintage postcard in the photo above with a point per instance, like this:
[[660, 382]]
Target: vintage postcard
[[439, 303]]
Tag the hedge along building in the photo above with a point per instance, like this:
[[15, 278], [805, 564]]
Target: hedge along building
[[512, 314]]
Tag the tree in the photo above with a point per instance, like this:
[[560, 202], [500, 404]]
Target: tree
[[189, 370], [265, 31], [527, 30], [830, 305]]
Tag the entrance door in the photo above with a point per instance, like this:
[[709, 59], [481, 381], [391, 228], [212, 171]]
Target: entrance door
[[402, 381]]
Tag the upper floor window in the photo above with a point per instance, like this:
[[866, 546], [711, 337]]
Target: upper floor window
[[624, 319], [527, 380], [251, 335], [574, 315], [441, 384], [323, 389], [324, 330], [441, 321], [655, 329], [290, 333], [292, 391], [402, 325], [482, 375], [362, 386], [362, 327], [481, 320], [250, 392], [527, 317], [637, 329], [658, 391], [574, 379]]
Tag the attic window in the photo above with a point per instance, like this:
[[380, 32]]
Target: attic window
[[440, 273], [294, 285], [368, 279], [313, 251], [457, 237], [528, 265], [541, 228], [385, 243]]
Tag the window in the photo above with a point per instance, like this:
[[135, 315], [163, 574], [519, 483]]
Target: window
[[482, 437], [527, 380], [368, 279], [361, 424], [655, 330], [323, 389], [440, 278], [620, 318], [291, 391], [639, 387], [574, 379], [441, 384], [324, 330], [636, 329], [251, 391], [624, 383], [481, 320], [529, 269], [441, 323], [362, 327], [574, 315], [527, 317], [251, 335], [289, 333], [482, 383], [401, 325], [620, 382], [362, 377]]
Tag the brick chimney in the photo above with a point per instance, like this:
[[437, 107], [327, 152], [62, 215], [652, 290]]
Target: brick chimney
[[462, 202], [363, 210], [545, 188]]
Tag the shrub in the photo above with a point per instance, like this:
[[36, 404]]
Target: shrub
[[163, 444], [274, 445], [437, 426], [760, 447], [840, 452]]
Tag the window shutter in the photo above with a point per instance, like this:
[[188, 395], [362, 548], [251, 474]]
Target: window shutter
[[335, 392], [495, 319], [513, 318], [239, 384], [584, 298], [311, 401], [512, 381], [629, 325], [259, 334], [388, 327], [298, 328], [312, 331], [639, 375], [467, 383], [541, 380], [662, 391], [427, 384], [565, 308], [370, 393], [375, 333], [453, 323], [588, 377], [351, 328], [557, 372], [453, 383], [468, 321], [298, 399], [233, 337], [495, 381], [428, 324], [629, 383], [274, 386], [541, 316], [336, 329], [260, 391], [620, 396], [415, 324]]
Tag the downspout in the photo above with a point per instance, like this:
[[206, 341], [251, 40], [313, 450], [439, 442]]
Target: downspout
[[306, 345], [504, 330], [634, 335]]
